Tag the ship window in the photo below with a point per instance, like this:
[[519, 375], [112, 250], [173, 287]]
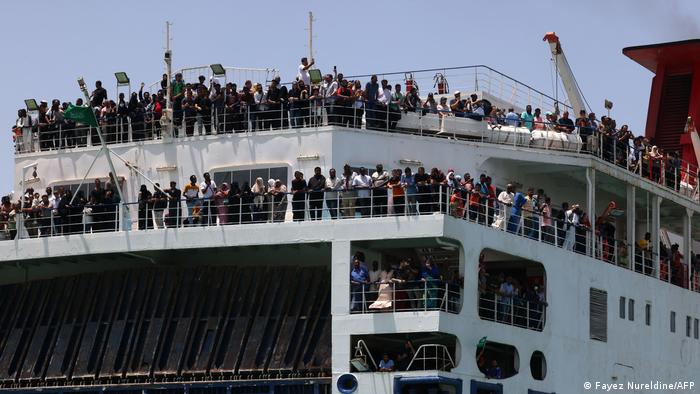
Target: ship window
[[497, 360], [623, 305], [688, 321], [249, 175], [418, 351], [499, 275], [630, 306], [647, 313], [598, 323], [538, 365], [696, 329], [673, 321]]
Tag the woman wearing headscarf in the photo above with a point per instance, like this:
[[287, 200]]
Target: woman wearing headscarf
[[259, 190], [221, 202]]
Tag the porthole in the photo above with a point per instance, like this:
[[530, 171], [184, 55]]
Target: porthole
[[538, 365]]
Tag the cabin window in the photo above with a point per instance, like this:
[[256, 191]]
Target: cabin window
[[688, 323], [623, 305], [630, 306], [500, 277], [673, 321], [647, 314], [538, 365], [418, 351], [696, 329], [598, 309], [497, 360]]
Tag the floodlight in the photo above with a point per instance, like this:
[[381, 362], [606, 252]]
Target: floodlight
[[218, 69], [122, 78], [31, 105], [315, 76]]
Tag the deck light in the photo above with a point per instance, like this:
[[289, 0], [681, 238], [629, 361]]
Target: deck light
[[218, 70], [31, 105], [122, 78]]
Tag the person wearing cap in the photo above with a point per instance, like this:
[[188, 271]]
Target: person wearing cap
[[443, 109], [457, 105]]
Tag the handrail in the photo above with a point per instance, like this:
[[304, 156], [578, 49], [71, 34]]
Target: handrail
[[447, 362], [246, 210]]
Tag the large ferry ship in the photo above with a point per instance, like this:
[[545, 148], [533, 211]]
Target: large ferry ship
[[534, 255]]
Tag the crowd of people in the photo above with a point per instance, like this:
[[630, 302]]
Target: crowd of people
[[210, 107], [405, 285]]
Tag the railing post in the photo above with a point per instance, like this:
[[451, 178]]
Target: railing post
[[371, 202], [439, 199], [51, 221], [393, 296], [527, 315], [117, 216], [240, 212], [364, 300], [425, 295]]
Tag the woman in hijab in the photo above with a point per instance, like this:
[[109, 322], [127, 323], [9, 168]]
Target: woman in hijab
[[259, 190], [221, 201]]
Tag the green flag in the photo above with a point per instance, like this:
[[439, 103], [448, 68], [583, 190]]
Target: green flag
[[82, 115], [482, 343]]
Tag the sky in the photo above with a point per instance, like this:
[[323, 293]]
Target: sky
[[49, 44]]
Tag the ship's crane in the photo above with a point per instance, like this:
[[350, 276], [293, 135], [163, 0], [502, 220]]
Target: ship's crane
[[564, 70]]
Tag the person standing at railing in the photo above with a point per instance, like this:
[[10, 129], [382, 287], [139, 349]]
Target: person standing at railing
[[189, 111], [566, 125], [216, 97], [457, 107], [546, 220], [202, 104], [506, 292], [398, 192], [122, 119], [431, 277], [279, 201], [385, 295], [585, 130], [386, 364], [512, 119], [571, 222], [516, 213], [208, 189], [316, 186], [298, 196], [333, 187], [56, 123], [144, 202], [362, 184], [505, 200], [380, 201], [395, 106], [430, 106], [23, 131], [191, 194], [272, 101], [177, 88], [372, 93], [527, 118], [174, 196], [359, 279], [159, 201], [358, 104], [348, 195], [328, 92], [530, 214], [408, 182]]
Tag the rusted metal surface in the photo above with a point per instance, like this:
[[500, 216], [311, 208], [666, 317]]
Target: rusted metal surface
[[166, 323]]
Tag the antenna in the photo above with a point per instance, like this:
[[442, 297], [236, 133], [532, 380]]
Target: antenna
[[166, 119], [311, 35]]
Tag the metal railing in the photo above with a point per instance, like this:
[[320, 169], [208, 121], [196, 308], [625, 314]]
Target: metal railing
[[403, 296], [665, 171], [430, 357], [250, 208], [513, 310]]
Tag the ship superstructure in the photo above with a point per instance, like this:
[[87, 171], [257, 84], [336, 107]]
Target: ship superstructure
[[254, 296]]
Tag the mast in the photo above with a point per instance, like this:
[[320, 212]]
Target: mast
[[167, 119], [311, 35]]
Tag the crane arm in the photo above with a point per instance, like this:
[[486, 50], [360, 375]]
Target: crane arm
[[565, 73]]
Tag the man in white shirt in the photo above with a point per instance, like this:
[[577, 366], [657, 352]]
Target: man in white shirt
[[334, 186], [208, 188], [304, 71], [329, 89], [362, 183], [505, 200]]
